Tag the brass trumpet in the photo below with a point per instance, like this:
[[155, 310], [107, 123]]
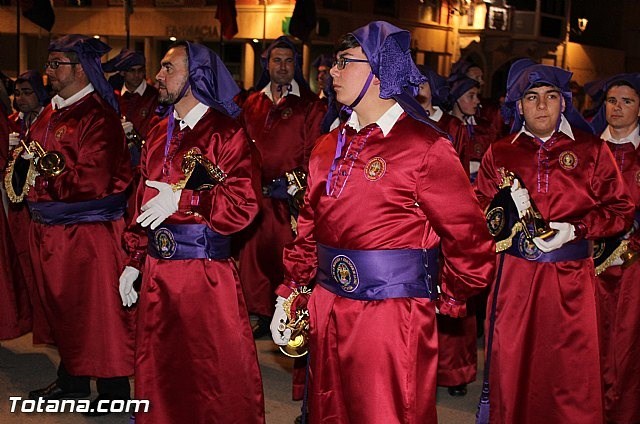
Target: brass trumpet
[[134, 139], [298, 324], [49, 164]]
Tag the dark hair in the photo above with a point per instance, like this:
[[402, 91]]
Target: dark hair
[[72, 56], [181, 43], [282, 45], [347, 41], [621, 83], [543, 84]]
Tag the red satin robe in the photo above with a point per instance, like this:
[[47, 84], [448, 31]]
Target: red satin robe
[[375, 361], [15, 308], [284, 134], [195, 356], [545, 364], [618, 294], [140, 110], [76, 267]]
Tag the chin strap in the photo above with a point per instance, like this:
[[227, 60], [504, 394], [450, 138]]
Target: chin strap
[[363, 91]]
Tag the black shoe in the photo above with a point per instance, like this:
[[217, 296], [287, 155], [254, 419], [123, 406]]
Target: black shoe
[[102, 404], [54, 392], [298, 419], [261, 327], [460, 390]]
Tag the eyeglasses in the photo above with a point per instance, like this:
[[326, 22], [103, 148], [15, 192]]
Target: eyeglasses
[[341, 62], [55, 63], [23, 92]]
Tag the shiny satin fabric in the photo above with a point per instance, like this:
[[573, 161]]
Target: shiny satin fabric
[[545, 365], [195, 358], [76, 267], [454, 127], [618, 295], [375, 361], [140, 110], [284, 135]]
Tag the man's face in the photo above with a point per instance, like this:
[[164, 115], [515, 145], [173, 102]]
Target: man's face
[[424, 93], [26, 98], [173, 75], [281, 66], [348, 82], [323, 76], [622, 107], [541, 107], [63, 78], [476, 73], [134, 77], [469, 101]]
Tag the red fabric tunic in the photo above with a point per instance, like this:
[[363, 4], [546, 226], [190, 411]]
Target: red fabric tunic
[[77, 266], [284, 134], [619, 313], [140, 110], [195, 357], [15, 309], [375, 361], [545, 365]]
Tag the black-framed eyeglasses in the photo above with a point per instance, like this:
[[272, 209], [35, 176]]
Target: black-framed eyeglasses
[[23, 92], [55, 63], [341, 62]]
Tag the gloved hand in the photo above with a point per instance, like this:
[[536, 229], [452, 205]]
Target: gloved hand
[[128, 295], [156, 210], [278, 321], [617, 261], [14, 139], [292, 189], [520, 196], [126, 126], [565, 232]]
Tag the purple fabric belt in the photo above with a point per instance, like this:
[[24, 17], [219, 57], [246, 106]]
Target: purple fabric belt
[[108, 208], [187, 241], [378, 274], [526, 249]]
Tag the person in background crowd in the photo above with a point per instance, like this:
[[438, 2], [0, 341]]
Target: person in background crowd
[[322, 64]]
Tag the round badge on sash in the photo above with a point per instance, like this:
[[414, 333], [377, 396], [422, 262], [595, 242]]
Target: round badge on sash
[[495, 220], [375, 169], [527, 248], [165, 243], [286, 113], [598, 248], [568, 160], [60, 132], [345, 273]]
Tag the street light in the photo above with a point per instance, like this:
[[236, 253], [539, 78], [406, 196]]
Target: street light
[[582, 24]]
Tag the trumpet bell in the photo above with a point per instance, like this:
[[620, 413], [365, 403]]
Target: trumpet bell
[[296, 348], [51, 164]]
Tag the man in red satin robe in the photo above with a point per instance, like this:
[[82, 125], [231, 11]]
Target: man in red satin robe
[[77, 225], [195, 356], [545, 364], [618, 291], [283, 119], [385, 190]]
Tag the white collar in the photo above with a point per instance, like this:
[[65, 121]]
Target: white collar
[[58, 102], [139, 90], [193, 116], [565, 128], [437, 115], [633, 137], [295, 90], [385, 122], [35, 114]]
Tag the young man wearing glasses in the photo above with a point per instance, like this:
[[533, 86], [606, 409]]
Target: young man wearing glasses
[[386, 189]]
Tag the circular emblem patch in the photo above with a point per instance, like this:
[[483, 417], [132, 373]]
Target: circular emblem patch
[[495, 220], [568, 160], [478, 149], [144, 112], [164, 243], [528, 249], [638, 178], [345, 273], [286, 113], [375, 169], [60, 132], [598, 248]]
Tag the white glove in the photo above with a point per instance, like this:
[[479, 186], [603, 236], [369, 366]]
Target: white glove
[[520, 196], [128, 295], [156, 210], [565, 232], [617, 261], [279, 319], [14, 139], [292, 189], [126, 126]]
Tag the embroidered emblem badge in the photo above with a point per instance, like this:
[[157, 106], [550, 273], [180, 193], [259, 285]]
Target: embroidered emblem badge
[[144, 112], [568, 160], [375, 169], [478, 149], [638, 178], [164, 242], [286, 113], [528, 249], [495, 220], [60, 132], [598, 248], [345, 273]]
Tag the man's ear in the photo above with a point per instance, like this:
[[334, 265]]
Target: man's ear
[[519, 105], [564, 105], [375, 80]]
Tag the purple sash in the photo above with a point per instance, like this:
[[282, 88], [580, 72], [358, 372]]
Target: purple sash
[[187, 241], [108, 208], [526, 249], [378, 274]]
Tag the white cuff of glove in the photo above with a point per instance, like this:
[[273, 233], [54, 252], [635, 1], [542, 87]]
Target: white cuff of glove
[[127, 127], [280, 335], [128, 295], [520, 197], [14, 139], [565, 232]]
